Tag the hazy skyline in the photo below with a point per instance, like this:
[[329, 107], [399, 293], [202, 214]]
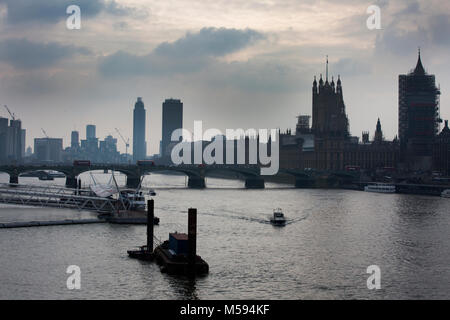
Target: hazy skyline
[[247, 64]]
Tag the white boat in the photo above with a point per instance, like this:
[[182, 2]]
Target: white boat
[[278, 218], [445, 193], [380, 188], [135, 199], [151, 192]]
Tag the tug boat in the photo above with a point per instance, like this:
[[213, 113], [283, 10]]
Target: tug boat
[[278, 218], [380, 188]]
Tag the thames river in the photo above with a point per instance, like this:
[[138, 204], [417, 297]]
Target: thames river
[[333, 236]]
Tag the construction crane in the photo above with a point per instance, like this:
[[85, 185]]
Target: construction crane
[[13, 116], [45, 133], [127, 142]]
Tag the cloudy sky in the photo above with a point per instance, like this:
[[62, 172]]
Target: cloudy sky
[[234, 63]]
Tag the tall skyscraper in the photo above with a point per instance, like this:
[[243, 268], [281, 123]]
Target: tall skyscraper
[[172, 119], [90, 132], [12, 140], [75, 140], [3, 139], [139, 143], [418, 117]]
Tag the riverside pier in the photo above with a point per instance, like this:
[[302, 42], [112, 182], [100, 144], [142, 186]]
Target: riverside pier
[[178, 255]]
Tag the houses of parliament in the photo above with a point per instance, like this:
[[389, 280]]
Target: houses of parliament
[[326, 144]]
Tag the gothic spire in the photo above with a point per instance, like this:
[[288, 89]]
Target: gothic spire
[[419, 70]]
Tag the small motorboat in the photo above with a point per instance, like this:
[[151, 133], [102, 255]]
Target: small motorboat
[[445, 193], [151, 192], [141, 253], [278, 218]]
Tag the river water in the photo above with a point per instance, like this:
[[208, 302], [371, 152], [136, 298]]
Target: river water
[[323, 253]]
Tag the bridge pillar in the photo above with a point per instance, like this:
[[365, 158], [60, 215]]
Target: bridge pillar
[[304, 183], [133, 182], [13, 179], [71, 182], [196, 182], [254, 183]]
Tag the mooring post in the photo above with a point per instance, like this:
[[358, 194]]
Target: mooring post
[[79, 186], [150, 222], [192, 238]]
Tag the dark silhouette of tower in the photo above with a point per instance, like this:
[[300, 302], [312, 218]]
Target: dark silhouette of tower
[[378, 133], [139, 143], [329, 117], [418, 116], [172, 119], [330, 123]]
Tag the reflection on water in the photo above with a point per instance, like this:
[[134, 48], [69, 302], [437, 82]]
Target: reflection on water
[[333, 236]]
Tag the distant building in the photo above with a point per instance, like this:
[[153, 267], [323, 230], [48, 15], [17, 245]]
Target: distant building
[[418, 117], [75, 140], [108, 150], [139, 143], [29, 152], [329, 117], [90, 145], [12, 141], [90, 132], [48, 149], [3, 140], [327, 145], [330, 124], [172, 119], [441, 151]]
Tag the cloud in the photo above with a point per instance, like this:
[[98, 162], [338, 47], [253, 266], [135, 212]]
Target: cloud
[[209, 42], [25, 54], [259, 74], [440, 29], [188, 54], [413, 26], [352, 67], [112, 7], [53, 11]]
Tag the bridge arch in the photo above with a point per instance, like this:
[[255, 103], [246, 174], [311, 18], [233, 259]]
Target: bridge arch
[[251, 175], [303, 179], [196, 179]]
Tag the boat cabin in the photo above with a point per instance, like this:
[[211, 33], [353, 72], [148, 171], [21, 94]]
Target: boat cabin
[[178, 243]]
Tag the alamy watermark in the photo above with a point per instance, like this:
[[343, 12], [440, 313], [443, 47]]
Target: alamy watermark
[[374, 20], [374, 281], [213, 153], [74, 280], [73, 22]]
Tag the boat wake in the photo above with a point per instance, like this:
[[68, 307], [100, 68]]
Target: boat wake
[[246, 218]]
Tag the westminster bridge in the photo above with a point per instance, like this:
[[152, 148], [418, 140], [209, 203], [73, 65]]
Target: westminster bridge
[[196, 174]]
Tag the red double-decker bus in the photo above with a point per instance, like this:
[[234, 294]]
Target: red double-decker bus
[[145, 163]]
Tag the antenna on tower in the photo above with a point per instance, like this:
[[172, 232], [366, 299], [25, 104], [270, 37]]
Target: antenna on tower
[[327, 69]]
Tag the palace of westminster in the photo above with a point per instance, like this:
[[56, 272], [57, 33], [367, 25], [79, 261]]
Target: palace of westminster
[[328, 145]]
